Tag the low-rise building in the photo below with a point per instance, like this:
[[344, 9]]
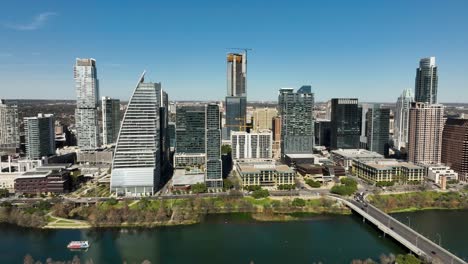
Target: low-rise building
[[183, 179], [7, 181], [388, 170], [436, 172], [46, 179], [345, 157], [264, 173]]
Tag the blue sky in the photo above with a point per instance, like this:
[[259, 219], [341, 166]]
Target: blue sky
[[364, 49]]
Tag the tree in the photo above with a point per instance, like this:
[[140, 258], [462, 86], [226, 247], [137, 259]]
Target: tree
[[199, 188], [4, 193], [112, 201], [252, 188], [298, 202], [226, 149], [313, 184], [227, 184], [257, 194], [407, 259]]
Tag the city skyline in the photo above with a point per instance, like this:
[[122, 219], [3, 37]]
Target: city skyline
[[190, 60]]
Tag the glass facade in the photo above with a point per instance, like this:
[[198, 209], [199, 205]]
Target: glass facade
[[190, 129], [40, 136], [378, 129], [426, 81], [297, 122], [136, 168], [110, 120], [214, 169], [345, 124], [236, 114]]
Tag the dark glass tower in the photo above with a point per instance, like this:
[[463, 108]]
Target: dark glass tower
[[214, 169], [297, 123], [378, 131], [236, 99], [426, 81], [190, 129], [345, 123]]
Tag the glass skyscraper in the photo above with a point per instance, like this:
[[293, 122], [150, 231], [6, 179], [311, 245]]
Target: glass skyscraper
[[378, 129], [136, 168], [40, 136], [426, 81], [86, 114], [110, 120], [400, 130], [236, 99], [9, 127], [297, 122], [214, 166], [190, 129], [345, 123]]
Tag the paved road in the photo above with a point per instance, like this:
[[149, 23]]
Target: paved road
[[434, 252]]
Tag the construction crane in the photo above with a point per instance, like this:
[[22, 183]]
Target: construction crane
[[244, 49], [242, 125]]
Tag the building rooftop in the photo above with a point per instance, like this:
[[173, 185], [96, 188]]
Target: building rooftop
[[301, 156], [182, 178], [358, 154], [387, 164], [36, 174], [257, 167]]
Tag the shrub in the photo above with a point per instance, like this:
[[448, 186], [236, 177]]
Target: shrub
[[313, 184], [298, 202], [385, 184], [199, 188], [347, 187], [257, 194], [252, 188], [286, 187]]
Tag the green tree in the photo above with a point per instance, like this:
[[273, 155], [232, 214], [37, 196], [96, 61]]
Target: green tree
[[407, 259], [199, 188], [252, 188], [227, 184], [112, 201], [4, 193], [313, 184], [257, 194], [298, 202], [226, 149]]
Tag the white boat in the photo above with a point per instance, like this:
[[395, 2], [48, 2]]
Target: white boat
[[78, 245]]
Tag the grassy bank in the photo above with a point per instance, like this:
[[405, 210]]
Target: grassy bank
[[152, 213], [417, 201]]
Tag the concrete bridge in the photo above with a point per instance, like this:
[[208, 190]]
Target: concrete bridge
[[417, 243]]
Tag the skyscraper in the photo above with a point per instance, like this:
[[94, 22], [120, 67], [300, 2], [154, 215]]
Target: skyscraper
[[86, 114], [136, 168], [236, 74], [297, 123], [402, 119], [426, 81], [9, 126], [345, 123], [110, 120], [363, 109], [190, 129], [455, 146], [236, 99], [426, 123], [214, 166], [236, 114], [40, 136], [378, 122]]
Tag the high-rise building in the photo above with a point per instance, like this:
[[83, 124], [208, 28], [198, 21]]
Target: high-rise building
[[455, 146], [236, 114], [86, 113], [345, 123], [426, 123], [40, 136], [378, 122], [297, 122], [136, 168], [400, 130], [322, 132], [236, 74], [190, 129], [254, 145], [262, 118], [236, 99], [363, 109], [110, 120], [9, 126], [214, 166], [426, 81]]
